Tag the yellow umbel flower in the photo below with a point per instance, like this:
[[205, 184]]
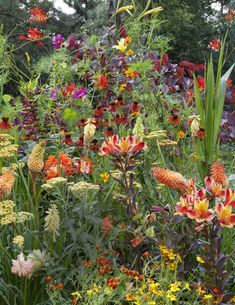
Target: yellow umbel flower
[[126, 8], [18, 240], [35, 161]]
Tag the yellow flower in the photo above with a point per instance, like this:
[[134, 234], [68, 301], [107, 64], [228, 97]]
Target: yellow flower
[[121, 46], [96, 288], [153, 11], [104, 177], [200, 260], [126, 8], [76, 294], [89, 292], [170, 296], [129, 297], [186, 286], [128, 40], [152, 303], [129, 73], [174, 287], [233, 299], [181, 134], [207, 298], [122, 87]]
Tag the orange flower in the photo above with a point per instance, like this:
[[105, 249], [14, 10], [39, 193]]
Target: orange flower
[[38, 15], [171, 178], [136, 241], [224, 215], [200, 212], [101, 82], [182, 207], [123, 146], [113, 282], [7, 181]]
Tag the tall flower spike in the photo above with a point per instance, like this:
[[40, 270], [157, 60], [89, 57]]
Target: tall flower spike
[[171, 178], [218, 174], [7, 181], [35, 161], [138, 130], [52, 221], [89, 131]]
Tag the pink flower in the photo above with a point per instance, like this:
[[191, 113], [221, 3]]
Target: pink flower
[[21, 266]]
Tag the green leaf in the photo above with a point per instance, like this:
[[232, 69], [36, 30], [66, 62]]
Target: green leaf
[[70, 115]]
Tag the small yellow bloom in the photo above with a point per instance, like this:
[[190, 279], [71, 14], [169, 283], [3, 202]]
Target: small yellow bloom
[[200, 260], [170, 296], [129, 73], [207, 298], [128, 40], [76, 294], [181, 134], [153, 11], [104, 177], [152, 303], [122, 87], [129, 297], [233, 299], [89, 292], [129, 52], [126, 8], [186, 286], [121, 46]]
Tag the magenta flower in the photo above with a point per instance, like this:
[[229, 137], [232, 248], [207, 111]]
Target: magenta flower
[[21, 266], [57, 41], [79, 93]]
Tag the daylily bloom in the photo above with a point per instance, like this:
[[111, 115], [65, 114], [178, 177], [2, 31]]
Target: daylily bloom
[[224, 215], [121, 46], [122, 146], [201, 211], [38, 15], [34, 35], [182, 207]]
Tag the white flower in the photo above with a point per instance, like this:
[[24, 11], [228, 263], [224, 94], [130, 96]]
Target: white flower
[[21, 266]]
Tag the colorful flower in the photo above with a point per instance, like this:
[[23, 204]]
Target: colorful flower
[[34, 35], [38, 15], [57, 41], [21, 266]]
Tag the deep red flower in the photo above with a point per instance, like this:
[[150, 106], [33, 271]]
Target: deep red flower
[[80, 142], [34, 35], [135, 106], [174, 119], [38, 15], [229, 82], [68, 140], [68, 90], [201, 82], [121, 120], [4, 124], [109, 132], [200, 133], [100, 111]]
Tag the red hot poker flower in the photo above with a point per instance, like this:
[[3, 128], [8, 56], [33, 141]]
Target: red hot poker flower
[[34, 35], [38, 15]]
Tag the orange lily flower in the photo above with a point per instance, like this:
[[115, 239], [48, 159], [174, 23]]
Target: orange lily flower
[[229, 197]]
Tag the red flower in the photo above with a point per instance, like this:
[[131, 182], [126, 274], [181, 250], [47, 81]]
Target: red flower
[[123, 146], [215, 44], [200, 133], [121, 120], [38, 15], [109, 132], [68, 90], [135, 106], [68, 140], [201, 83], [174, 119], [136, 241], [101, 82], [113, 282], [224, 214], [106, 225], [34, 35], [229, 82], [4, 124]]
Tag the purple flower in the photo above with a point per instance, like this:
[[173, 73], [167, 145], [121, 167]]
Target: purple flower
[[57, 41], [79, 93]]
